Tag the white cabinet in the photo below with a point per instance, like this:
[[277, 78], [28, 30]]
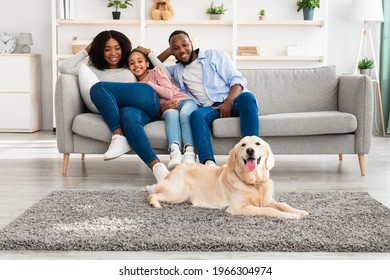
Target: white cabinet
[[20, 93]]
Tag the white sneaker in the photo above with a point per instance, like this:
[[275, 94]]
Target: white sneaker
[[160, 171], [175, 159], [118, 147], [210, 163], [189, 157]]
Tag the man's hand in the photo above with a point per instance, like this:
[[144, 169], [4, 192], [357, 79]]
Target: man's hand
[[225, 109], [169, 105]]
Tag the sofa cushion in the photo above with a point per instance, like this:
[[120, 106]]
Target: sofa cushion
[[293, 90], [291, 124], [86, 80], [93, 126]]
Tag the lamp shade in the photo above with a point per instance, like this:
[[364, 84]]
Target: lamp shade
[[367, 10], [25, 39]]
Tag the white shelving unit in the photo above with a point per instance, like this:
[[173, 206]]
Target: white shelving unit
[[240, 27]]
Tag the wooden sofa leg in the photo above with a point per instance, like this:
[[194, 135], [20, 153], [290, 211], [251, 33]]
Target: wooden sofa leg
[[65, 162], [361, 164], [340, 157], [82, 156]]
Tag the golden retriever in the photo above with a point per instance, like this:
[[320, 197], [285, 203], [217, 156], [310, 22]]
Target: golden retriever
[[242, 187]]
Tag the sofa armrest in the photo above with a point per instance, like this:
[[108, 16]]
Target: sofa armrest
[[355, 96], [68, 104]]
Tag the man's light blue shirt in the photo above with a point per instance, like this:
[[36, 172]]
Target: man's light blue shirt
[[219, 75]]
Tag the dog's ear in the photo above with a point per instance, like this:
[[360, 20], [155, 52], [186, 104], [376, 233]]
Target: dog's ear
[[232, 158], [270, 160]]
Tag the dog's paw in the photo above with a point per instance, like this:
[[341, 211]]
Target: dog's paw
[[303, 213], [292, 216], [155, 205], [144, 189], [152, 201]]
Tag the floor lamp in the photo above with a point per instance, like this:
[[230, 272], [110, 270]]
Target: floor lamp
[[369, 11]]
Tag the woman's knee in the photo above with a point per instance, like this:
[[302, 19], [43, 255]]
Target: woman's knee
[[96, 90]]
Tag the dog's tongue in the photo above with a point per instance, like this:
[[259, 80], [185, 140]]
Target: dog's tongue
[[251, 164]]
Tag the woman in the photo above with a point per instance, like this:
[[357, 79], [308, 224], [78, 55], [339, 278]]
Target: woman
[[118, 102]]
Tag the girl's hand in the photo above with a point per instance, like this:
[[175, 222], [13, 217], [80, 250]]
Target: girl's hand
[[169, 105]]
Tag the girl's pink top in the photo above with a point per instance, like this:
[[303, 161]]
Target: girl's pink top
[[165, 89]]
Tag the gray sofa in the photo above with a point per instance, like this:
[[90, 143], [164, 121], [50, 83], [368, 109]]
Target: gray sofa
[[301, 111]]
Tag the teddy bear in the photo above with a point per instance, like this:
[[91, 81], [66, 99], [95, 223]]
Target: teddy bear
[[162, 10]]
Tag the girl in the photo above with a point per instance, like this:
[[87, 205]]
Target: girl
[[177, 120]]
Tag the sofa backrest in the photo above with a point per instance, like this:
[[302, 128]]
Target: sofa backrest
[[293, 90]]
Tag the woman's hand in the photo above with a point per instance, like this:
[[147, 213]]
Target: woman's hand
[[169, 105], [88, 48]]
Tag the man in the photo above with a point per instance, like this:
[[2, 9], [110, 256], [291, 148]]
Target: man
[[211, 79]]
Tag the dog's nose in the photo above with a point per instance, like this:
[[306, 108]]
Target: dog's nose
[[250, 151]]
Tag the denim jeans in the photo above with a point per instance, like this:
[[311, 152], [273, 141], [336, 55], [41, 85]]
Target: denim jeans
[[244, 106], [133, 121], [109, 97], [130, 106], [177, 123]]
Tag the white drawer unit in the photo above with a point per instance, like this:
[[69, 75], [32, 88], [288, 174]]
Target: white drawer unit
[[20, 93]]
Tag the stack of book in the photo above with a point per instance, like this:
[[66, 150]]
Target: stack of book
[[247, 50]]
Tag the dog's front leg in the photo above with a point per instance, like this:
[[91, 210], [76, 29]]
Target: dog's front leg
[[250, 210], [154, 200], [287, 208]]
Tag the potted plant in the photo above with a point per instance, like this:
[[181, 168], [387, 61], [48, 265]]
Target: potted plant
[[262, 14], [365, 65], [118, 4], [215, 12], [308, 7]]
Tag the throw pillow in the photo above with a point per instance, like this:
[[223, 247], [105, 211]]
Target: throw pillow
[[86, 80]]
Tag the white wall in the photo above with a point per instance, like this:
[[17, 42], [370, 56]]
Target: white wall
[[35, 17]]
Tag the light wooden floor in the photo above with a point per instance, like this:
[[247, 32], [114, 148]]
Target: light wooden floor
[[31, 169]]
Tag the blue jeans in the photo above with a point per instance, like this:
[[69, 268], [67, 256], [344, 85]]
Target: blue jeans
[[129, 106], [177, 123], [244, 106], [109, 97], [133, 121]]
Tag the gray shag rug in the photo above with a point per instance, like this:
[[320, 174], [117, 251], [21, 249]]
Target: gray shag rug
[[121, 220]]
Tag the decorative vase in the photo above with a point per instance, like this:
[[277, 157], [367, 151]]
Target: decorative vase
[[365, 72], [116, 15], [308, 13], [261, 17], [215, 16]]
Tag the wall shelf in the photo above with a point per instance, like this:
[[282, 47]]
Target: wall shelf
[[280, 58], [96, 22], [318, 23], [189, 22]]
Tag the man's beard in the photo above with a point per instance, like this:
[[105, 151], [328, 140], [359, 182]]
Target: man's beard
[[189, 61]]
